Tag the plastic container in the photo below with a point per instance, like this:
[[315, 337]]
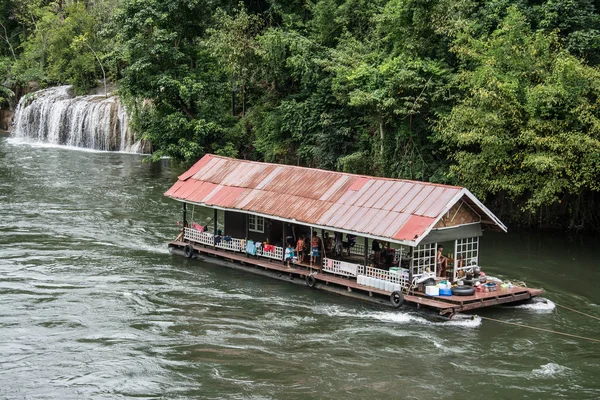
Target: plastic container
[[445, 292], [432, 291]]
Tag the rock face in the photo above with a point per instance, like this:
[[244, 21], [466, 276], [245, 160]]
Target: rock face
[[96, 122], [6, 117]]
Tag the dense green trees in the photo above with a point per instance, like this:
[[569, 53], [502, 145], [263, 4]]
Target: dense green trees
[[496, 95]]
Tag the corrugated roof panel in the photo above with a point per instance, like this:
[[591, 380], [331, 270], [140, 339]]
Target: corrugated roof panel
[[414, 227], [418, 200], [362, 219], [334, 188], [392, 190], [173, 189], [377, 224], [378, 193], [269, 177], [190, 187], [407, 198], [334, 213], [205, 173], [201, 191], [442, 201], [385, 208], [359, 183], [348, 216], [386, 222], [359, 193], [196, 167], [399, 196], [396, 225], [370, 193], [432, 198], [208, 198]]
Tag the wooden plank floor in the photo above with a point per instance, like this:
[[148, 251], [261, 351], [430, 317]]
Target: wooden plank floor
[[439, 302]]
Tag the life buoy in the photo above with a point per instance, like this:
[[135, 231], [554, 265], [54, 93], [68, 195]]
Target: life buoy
[[188, 251], [396, 298], [310, 280], [463, 290]]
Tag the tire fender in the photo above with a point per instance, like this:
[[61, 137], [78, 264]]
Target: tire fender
[[310, 281], [397, 299], [188, 251]]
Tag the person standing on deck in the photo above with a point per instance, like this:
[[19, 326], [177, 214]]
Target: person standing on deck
[[300, 249], [442, 261], [315, 248], [376, 248]]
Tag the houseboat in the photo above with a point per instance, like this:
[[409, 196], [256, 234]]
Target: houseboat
[[371, 238]]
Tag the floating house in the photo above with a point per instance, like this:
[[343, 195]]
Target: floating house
[[378, 238]]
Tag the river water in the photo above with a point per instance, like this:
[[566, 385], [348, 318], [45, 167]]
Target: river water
[[93, 306]]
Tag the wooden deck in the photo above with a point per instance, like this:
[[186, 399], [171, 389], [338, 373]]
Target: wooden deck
[[445, 305]]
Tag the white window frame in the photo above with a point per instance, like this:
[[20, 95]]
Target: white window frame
[[256, 223]]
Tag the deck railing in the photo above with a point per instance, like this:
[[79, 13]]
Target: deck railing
[[358, 249], [382, 279], [338, 267], [194, 235], [227, 243], [276, 253], [232, 244]]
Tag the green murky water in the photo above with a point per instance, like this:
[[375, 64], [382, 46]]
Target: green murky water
[[93, 306]]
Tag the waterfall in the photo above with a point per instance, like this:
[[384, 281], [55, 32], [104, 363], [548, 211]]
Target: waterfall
[[96, 122]]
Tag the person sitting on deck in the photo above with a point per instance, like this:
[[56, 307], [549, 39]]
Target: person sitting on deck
[[289, 254], [441, 261], [314, 247], [300, 249], [180, 236]]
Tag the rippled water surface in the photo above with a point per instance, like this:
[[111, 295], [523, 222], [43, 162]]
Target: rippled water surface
[[93, 306]]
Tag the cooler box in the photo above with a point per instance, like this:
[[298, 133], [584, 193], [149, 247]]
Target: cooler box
[[445, 292], [432, 291]]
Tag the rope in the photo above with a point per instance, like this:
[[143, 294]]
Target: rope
[[541, 329], [579, 312]]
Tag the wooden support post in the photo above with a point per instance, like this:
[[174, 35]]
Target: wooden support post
[[283, 239], [184, 214], [366, 252], [215, 227], [411, 254]]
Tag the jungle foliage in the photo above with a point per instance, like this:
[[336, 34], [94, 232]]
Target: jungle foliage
[[499, 96]]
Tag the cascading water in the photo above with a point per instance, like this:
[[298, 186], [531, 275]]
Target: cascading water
[[96, 122]]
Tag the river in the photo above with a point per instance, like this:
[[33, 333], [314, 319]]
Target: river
[[93, 306]]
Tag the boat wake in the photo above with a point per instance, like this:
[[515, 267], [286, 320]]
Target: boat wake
[[540, 305], [398, 317]]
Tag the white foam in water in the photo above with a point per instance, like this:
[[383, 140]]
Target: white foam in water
[[550, 370], [540, 306], [397, 317]]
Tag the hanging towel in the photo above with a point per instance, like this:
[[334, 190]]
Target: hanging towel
[[250, 247], [198, 227]]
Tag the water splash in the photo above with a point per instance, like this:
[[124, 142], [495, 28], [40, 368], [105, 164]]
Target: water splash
[[550, 370], [542, 305], [93, 122]]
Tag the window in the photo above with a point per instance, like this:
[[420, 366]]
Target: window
[[256, 224]]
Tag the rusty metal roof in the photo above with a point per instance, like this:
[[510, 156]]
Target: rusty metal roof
[[390, 209]]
